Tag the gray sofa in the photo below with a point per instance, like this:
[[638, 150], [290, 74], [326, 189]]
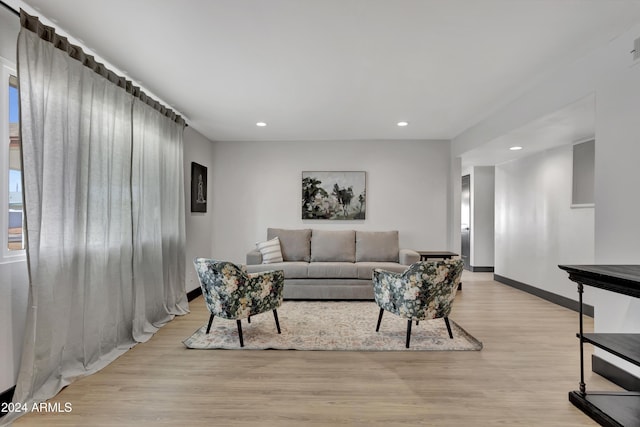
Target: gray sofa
[[322, 264]]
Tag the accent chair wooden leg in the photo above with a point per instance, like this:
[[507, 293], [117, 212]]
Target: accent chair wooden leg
[[275, 316], [209, 325], [249, 319], [446, 320], [408, 332], [240, 332], [379, 319], [417, 322]]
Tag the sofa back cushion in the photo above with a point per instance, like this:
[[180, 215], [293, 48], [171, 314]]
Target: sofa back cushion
[[333, 246], [380, 246], [294, 244]]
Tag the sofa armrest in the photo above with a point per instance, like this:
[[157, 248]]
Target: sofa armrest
[[254, 257], [408, 256]]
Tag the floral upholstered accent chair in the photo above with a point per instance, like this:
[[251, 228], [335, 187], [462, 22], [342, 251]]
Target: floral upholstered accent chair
[[231, 293], [423, 291]]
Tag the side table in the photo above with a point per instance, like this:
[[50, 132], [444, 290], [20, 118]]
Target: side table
[[427, 255]]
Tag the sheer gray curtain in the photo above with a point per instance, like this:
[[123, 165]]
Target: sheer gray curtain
[[104, 202], [158, 220]]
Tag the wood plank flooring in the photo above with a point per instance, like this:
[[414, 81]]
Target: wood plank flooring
[[529, 363]]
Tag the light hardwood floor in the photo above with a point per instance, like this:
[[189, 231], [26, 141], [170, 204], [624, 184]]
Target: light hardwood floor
[[529, 363]]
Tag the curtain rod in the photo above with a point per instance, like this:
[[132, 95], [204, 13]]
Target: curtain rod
[[48, 34], [10, 8]]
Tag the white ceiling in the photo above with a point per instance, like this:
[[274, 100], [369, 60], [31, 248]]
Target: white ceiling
[[337, 69], [572, 124]]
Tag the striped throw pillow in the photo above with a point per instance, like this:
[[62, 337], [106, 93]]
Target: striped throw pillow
[[270, 251]]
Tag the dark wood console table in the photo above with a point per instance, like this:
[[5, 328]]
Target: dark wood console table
[[608, 408], [427, 255]]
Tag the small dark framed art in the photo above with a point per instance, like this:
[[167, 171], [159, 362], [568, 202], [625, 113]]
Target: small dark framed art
[[198, 187]]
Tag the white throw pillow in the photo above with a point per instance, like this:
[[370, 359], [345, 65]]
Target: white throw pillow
[[270, 251]]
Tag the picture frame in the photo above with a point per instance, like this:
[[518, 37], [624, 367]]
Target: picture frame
[[334, 195], [198, 187]]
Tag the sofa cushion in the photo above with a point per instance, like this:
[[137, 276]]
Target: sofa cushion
[[292, 270], [333, 246], [333, 270], [295, 244], [365, 269], [377, 246], [270, 251]]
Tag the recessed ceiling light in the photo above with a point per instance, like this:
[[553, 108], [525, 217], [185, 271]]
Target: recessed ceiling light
[[515, 148], [402, 124], [261, 124]]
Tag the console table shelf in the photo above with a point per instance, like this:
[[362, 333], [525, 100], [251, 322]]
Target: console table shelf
[[608, 408], [625, 346], [602, 406]]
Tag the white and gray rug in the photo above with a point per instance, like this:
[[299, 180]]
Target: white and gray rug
[[331, 325]]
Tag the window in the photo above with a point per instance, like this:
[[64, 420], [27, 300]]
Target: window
[[15, 224], [583, 174], [12, 218]]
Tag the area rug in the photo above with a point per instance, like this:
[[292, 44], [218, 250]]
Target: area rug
[[331, 325]]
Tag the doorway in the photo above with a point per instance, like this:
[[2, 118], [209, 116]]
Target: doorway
[[465, 221]]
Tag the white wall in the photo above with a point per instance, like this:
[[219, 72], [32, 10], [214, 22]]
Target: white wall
[[455, 212], [481, 238], [199, 225], [258, 185], [616, 197], [535, 227], [14, 289], [9, 28], [482, 216], [607, 72]]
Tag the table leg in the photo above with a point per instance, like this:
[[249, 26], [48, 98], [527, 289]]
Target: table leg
[[583, 388]]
